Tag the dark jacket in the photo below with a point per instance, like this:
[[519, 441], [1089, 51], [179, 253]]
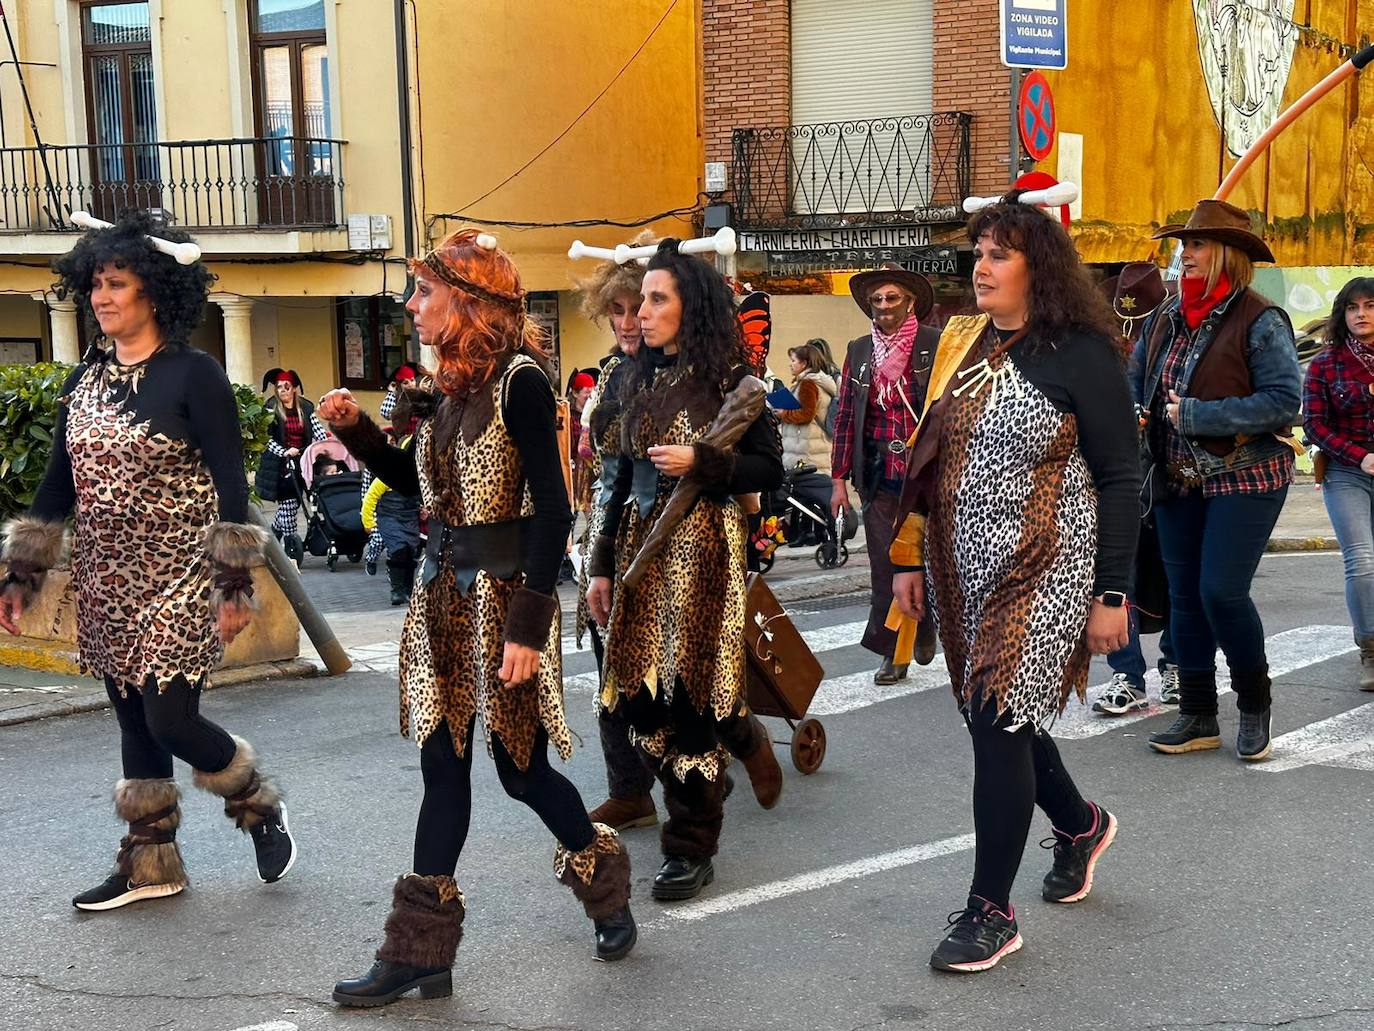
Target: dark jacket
[[860, 357], [274, 480]]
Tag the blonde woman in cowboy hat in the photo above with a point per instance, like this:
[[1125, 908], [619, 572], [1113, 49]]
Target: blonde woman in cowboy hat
[[1216, 371]]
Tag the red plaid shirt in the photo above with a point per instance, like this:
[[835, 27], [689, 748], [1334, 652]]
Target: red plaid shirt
[[881, 426], [1338, 405], [1260, 478]]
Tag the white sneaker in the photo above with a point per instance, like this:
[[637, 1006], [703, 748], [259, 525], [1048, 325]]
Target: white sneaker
[[1168, 688], [1120, 697]]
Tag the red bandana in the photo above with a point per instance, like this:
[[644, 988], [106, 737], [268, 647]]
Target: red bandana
[[1197, 305]]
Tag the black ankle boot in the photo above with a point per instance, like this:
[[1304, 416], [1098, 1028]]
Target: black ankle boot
[[1253, 741], [386, 982], [682, 878], [1188, 733], [615, 935]]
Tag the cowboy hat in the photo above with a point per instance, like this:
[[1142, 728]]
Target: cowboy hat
[[913, 283], [1139, 290], [1224, 223]]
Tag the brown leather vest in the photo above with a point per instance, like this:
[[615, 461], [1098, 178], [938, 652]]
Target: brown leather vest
[[1224, 368]]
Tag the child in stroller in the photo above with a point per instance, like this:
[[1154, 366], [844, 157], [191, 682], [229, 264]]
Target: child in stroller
[[797, 515], [331, 495]]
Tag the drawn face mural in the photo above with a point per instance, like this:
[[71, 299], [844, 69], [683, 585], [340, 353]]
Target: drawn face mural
[[1246, 47]]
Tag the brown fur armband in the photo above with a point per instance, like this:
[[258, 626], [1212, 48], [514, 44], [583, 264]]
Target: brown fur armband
[[235, 545], [36, 542], [713, 467], [529, 617], [601, 560]]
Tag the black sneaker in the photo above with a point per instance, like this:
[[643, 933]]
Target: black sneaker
[[1075, 858], [275, 847], [979, 938], [1253, 743], [1188, 734], [117, 890]]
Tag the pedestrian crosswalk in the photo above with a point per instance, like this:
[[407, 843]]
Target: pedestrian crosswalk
[[1345, 740]]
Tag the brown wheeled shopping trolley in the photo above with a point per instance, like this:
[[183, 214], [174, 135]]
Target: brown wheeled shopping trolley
[[783, 674]]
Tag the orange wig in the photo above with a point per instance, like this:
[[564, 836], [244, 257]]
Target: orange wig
[[486, 319]]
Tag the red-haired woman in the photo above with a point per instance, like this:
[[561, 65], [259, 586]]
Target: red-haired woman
[[482, 635]]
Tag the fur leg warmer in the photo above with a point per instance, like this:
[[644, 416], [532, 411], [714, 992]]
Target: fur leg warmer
[[695, 814], [149, 854], [425, 923], [599, 875], [235, 545], [31, 547], [249, 797]]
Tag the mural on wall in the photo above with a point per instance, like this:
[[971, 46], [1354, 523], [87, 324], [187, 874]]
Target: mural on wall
[[1246, 48]]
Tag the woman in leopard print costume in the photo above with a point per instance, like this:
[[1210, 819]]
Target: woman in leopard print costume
[[148, 452], [675, 642], [1018, 518], [482, 635]]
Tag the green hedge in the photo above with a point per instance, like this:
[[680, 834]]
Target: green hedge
[[28, 414]]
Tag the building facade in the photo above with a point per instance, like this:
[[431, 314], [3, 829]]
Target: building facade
[[311, 145]]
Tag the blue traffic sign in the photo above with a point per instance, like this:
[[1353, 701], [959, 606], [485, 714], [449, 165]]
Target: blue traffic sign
[[1035, 33]]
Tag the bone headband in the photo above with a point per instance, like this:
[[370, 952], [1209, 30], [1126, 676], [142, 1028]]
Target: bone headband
[[435, 264], [183, 253], [723, 242]]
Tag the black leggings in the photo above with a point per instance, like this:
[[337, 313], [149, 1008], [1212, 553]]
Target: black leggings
[[1013, 772], [156, 725], [446, 811]]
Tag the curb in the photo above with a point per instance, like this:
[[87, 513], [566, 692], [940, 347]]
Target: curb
[[1303, 544], [96, 700]]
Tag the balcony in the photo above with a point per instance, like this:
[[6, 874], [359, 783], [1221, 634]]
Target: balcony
[[277, 184], [877, 171]]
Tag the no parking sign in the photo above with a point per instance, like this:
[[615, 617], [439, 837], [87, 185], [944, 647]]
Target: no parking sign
[[1035, 116]]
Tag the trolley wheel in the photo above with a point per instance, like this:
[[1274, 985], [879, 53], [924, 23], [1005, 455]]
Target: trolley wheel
[[808, 746], [332, 561], [766, 562], [355, 557], [826, 557], [844, 556]]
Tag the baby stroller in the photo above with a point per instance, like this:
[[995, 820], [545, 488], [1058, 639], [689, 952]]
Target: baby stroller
[[333, 505], [797, 515]]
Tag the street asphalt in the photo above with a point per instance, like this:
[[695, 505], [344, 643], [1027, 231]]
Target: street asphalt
[[1233, 898]]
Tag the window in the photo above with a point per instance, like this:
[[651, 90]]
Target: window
[[373, 340], [121, 110], [291, 111]]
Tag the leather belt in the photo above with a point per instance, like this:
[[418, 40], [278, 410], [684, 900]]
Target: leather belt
[[497, 549]]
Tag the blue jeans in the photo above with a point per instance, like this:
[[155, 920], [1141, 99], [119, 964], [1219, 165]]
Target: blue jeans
[[1211, 548], [1130, 660], [1349, 496]]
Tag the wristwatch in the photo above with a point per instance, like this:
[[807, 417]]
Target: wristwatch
[[1112, 599]]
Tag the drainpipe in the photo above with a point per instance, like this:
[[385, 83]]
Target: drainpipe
[[407, 170]]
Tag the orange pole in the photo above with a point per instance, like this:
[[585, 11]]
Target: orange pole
[[1295, 110]]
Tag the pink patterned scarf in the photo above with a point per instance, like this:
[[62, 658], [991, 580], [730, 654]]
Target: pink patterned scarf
[[892, 358]]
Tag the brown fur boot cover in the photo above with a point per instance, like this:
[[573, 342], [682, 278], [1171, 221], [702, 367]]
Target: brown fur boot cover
[[695, 814], [249, 797], [599, 875], [425, 923], [149, 854]]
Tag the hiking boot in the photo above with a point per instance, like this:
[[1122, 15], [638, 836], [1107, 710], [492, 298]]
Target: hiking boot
[[274, 845], [1121, 696], [682, 878], [888, 673], [1253, 743], [1367, 664], [1169, 691], [625, 813], [979, 937], [1076, 856], [118, 890], [1188, 734]]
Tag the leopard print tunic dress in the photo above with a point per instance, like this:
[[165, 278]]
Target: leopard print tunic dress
[[605, 442], [684, 622], [1010, 545], [144, 501], [452, 643]]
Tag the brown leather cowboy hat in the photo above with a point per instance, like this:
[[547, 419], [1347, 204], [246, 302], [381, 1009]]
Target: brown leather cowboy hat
[[1224, 223], [1139, 290], [861, 285]]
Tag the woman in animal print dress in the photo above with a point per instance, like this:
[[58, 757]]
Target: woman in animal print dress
[[148, 452], [482, 635], [1018, 523], [674, 653]]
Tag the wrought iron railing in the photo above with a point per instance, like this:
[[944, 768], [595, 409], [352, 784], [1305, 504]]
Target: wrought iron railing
[[833, 173], [263, 183]]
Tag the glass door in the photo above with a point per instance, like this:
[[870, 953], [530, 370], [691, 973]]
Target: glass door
[[121, 108]]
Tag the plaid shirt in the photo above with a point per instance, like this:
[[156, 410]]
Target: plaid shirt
[[881, 426], [1260, 478], [1338, 405]]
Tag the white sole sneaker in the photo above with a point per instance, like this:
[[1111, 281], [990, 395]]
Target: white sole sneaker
[[286, 826], [985, 964], [138, 894]]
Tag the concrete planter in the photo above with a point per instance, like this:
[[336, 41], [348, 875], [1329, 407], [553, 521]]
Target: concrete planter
[[48, 639]]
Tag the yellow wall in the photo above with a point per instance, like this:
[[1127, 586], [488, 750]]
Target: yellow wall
[[24, 317], [501, 81], [1135, 90]]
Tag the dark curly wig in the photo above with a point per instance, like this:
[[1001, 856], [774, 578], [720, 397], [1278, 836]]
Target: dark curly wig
[[178, 292], [1358, 289], [709, 341], [1062, 294]]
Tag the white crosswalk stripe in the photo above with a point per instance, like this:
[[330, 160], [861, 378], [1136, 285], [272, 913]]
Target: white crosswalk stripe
[[1347, 737]]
